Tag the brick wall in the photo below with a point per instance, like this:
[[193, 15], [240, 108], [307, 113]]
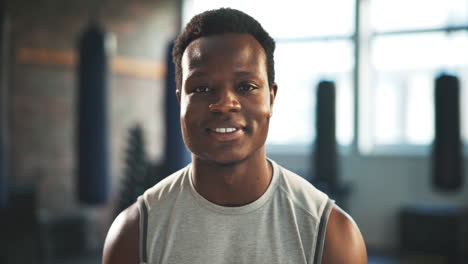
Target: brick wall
[[42, 89]]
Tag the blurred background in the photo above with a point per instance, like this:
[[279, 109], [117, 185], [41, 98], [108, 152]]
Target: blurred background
[[371, 108]]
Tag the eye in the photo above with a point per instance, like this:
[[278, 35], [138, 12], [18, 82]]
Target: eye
[[202, 89], [246, 87]]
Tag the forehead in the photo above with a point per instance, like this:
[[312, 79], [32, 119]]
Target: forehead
[[236, 49]]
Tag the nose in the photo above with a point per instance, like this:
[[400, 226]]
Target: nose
[[226, 102]]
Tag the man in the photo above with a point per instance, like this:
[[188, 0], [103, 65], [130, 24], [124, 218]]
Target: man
[[231, 204]]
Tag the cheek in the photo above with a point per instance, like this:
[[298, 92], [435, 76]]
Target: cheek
[[263, 109], [187, 128], [190, 115], [260, 116], [187, 110], [185, 120], [264, 114], [184, 117]]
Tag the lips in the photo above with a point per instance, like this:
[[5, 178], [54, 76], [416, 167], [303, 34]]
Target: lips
[[226, 133]]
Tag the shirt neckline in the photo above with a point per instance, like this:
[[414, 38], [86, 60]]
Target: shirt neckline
[[236, 209]]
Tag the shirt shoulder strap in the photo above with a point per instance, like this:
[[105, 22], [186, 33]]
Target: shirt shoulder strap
[[142, 254], [322, 230]]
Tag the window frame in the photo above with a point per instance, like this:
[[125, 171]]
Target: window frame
[[363, 85]]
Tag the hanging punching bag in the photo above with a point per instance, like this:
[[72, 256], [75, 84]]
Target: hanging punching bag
[[447, 146], [93, 152], [176, 154], [325, 143]]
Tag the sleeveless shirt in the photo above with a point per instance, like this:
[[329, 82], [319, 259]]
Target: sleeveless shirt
[[285, 225]]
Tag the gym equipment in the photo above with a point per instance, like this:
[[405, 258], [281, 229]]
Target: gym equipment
[[447, 147], [325, 142], [93, 145]]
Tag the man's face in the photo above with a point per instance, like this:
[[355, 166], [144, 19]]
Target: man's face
[[225, 99]]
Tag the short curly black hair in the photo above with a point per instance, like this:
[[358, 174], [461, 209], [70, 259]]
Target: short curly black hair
[[222, 21]]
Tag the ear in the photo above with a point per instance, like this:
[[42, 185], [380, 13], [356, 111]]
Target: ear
[[177, 92], [273, 91]]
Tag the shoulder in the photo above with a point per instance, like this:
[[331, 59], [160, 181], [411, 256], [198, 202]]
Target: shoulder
[[343, 240], [302, 193], [121, 245], [168, 187]]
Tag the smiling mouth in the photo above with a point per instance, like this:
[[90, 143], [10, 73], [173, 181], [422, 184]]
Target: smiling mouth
[[226, 133], [224, 130]]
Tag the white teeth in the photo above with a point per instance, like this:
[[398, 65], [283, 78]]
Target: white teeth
[[225, 130]]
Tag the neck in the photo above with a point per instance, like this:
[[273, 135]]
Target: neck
[[233, 184]]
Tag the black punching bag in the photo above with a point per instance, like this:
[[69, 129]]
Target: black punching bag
[[447, 146], [325, 143], [93, 147]]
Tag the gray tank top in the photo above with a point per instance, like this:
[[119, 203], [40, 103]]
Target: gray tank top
[[285, 225]]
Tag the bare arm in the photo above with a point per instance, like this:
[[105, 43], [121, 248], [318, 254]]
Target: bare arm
[[343, 240], [121, 245]]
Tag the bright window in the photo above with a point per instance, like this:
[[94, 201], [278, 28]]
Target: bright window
[[300, 66], [417, 14], [314, 42], [403, 46], [406, 55]]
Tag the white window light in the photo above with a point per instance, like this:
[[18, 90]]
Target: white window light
[[406, 56], [302, 61]]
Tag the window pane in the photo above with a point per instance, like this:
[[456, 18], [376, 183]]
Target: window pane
[[386, 116], [406, 66], [307, 18], [417, 14], [420, 130], [299, 68]]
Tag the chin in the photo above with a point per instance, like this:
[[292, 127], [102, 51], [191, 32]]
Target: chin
[[228, 156], [230, 160], [223, 160]]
